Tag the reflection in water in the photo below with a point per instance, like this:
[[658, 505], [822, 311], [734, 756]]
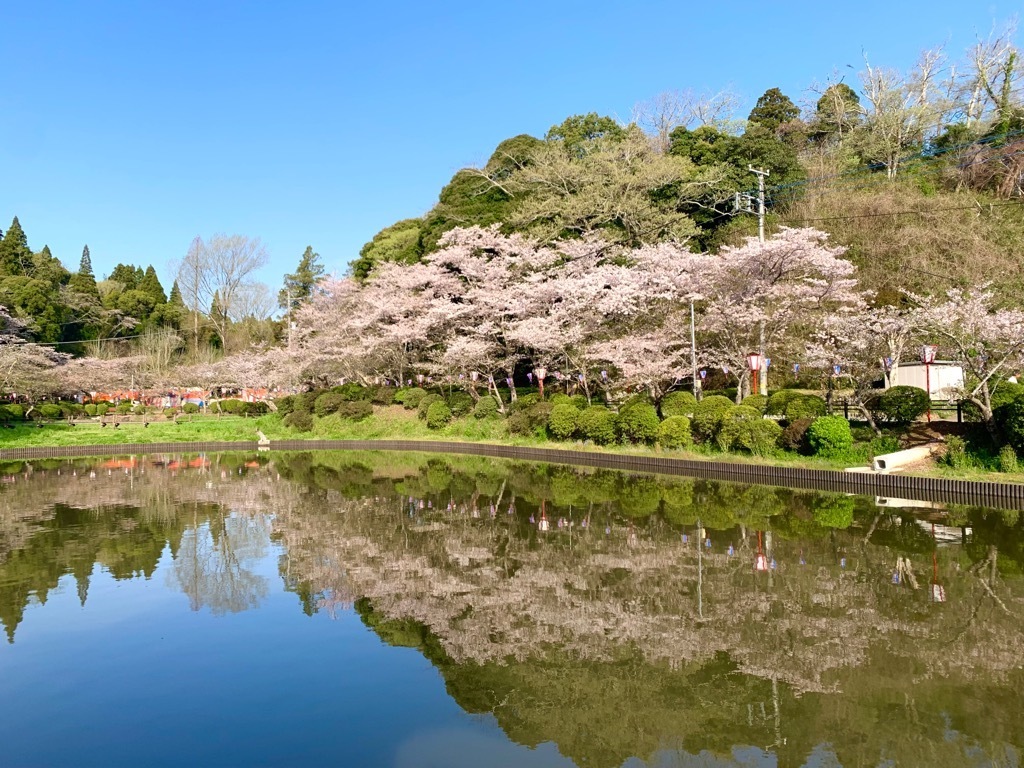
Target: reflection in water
[[684, 622]]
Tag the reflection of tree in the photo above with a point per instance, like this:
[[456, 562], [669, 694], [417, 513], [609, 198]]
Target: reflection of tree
[[210, 564]]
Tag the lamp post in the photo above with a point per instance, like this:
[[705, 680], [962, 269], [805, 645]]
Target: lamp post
[[928, 352], [540, 373], [754, 363]]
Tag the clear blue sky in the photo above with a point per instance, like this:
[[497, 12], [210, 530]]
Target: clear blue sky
[[135, 126]]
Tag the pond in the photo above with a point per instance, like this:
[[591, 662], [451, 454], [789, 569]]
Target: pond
[[389, 609]]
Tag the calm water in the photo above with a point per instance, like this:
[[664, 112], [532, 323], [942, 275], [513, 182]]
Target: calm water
[[405, 610]]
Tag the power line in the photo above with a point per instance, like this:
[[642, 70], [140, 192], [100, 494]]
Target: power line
[[908, 213]]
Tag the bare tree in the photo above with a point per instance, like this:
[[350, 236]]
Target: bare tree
[[253, 300], [994, 68], [660, 115], [215, 271]]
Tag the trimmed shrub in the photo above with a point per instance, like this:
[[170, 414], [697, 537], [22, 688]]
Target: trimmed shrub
[[956, 453], [760, 437], [640, 398], [678, 403], [734, 426], [580, 401], [460, 403], [805, 407], [777, 401], [285, 405], [833, 512], [1008, 459], [300, 421], [383, 395], [229, 405], [140, 410], [521, 403], [597, 424], [328, 403], [794, 436], [438, 414], [353, 391], [563, 420], [306, 401], [425, 402], [559, 397], [757, 402], [257, 408], [674, 432], [50, 411], [1011, 420], [903, 404], [354, 410], [410, 397], [829, 436], [708, 415], [5, 414], [168, 412], [187, 408], [639, 423], [530, 421], [90, 409], [123, 409], [486, 408]]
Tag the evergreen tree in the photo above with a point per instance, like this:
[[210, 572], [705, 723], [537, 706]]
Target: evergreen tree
[[84, 281], [303, 281], [150, 284], [127, 275], [773, 109], [175, 297], [15, 256]]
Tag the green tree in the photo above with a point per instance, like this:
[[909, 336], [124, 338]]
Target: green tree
[[150, 284], [175, 297], [301, 283], [773, 109], [838, 112], [576, 133], [15, 256], [127, 275], [84, 281], [400, 243]]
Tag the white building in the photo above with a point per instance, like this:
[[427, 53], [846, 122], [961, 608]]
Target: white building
[[943, 376]]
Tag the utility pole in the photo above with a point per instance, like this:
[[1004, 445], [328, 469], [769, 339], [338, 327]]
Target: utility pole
[[693, 349], [289, 319], [761, 173]]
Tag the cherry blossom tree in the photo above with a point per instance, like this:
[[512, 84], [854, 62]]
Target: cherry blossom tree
[[985, 340], [757, 293]]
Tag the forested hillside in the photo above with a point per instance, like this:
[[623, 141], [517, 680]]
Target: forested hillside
[[919, 172]]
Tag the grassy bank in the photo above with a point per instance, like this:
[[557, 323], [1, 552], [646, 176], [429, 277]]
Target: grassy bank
[[394, 423]]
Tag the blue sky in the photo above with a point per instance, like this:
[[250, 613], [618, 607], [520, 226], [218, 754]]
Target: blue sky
[[135, 126]]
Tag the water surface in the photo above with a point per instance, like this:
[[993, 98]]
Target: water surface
[[404, 610]]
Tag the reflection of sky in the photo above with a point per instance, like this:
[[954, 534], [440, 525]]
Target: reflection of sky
[[473, 747]]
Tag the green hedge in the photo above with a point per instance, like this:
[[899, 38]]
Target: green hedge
[[674, 432], [678, 403], [597, 424], [830, 436], [564, 419]]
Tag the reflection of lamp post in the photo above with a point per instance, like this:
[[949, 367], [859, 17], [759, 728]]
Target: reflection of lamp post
[[754, 363], [760, 559], [540, 373], [928, 357]]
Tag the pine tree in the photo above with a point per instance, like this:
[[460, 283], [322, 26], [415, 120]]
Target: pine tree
[[126, 275], [175, 297], [84, 281], [15, 255], [150, 284], [85, 265], [303, 281]]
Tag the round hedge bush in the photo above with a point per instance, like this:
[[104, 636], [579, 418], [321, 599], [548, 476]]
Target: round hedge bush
[[708, 415], [438, 414], [530, 421], [829, 436], [410, 397], [460, 403], [805, 407], [563, 419], [300, 421], [777, 401], [187, 408], [486, 408], [354, 410], [1011, 421], [639, 423], [735, 430], [597, 424], [285, 405], [383, 395], [757, 402], [425, 402], [678, 403], [674, 432], [50, 411], [903, 404], [90, 409], [328, 403], [353, 391]]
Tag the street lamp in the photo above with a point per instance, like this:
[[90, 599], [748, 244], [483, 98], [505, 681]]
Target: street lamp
[[540, 373], [754, 363], [928, 352]]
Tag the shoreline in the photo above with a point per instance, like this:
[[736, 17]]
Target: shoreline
[[892, 486]]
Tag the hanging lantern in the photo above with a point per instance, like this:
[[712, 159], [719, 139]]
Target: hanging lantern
[[703, 374], [474, 375], [887, 364], [529, 377], [837, 369], [725, 369], [928, 352], [604, 375], [767, 363], [508, 381], [754, 361], [796, 368]]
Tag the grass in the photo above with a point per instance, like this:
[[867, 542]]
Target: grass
[[396, 423]]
